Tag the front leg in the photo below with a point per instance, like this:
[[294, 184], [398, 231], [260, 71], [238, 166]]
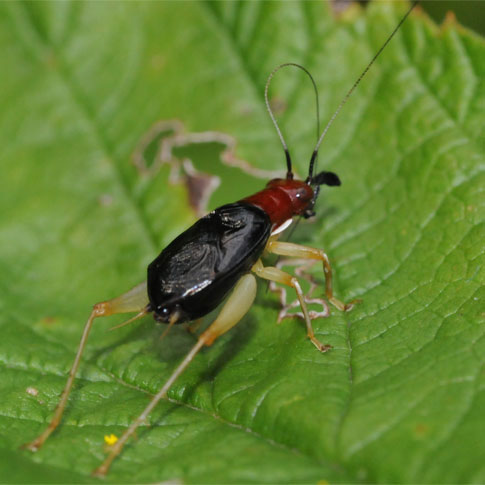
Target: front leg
[[304, 252], [274, 274]]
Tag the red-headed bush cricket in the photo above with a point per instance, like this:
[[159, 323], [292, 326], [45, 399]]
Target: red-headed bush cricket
[[216, 260]]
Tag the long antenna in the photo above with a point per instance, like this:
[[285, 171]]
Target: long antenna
[[347, 96], [289, 173]]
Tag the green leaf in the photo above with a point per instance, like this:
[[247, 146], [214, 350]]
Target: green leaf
[[400, 397]]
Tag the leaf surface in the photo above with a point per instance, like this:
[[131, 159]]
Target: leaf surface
[[400, 397]]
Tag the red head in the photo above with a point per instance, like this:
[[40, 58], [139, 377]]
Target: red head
[[284, 198]]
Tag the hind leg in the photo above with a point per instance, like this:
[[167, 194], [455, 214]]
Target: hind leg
[[135, 300], [234, 309]]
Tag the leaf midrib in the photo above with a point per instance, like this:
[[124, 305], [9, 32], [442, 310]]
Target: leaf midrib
[[79, 100]]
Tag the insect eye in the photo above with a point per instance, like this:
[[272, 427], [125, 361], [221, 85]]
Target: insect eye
[[301, 194]]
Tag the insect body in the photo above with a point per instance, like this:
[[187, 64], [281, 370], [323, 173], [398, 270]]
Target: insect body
[[216, 257], [196, 271]]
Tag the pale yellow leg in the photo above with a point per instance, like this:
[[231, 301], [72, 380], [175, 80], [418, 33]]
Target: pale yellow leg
[[192, 327], [135, 300], [297, 251], [274, 274], [233, 310]]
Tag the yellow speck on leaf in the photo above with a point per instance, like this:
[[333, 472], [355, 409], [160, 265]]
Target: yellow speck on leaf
[[110, 439]]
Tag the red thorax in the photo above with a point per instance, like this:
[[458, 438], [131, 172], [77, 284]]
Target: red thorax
[[282, 199]]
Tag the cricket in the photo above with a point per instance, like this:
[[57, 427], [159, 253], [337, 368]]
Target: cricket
[[216, 261]]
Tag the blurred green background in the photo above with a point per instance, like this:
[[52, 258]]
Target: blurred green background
[[469, 13]]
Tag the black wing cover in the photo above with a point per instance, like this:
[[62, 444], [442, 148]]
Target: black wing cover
[[194, 273]]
